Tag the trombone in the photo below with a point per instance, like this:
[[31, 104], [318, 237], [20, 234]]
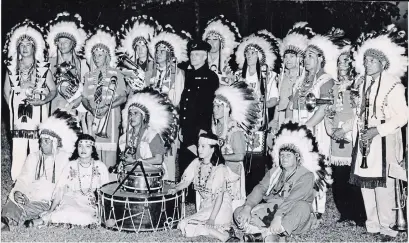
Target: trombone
[[100, 125]]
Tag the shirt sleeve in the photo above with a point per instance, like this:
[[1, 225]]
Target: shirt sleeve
[[63, 182], [190, 172], [157, 146], [301, 190], [398, 111], [238, 142], [219, 181], [325, 89], [260, 190], [104, 174]]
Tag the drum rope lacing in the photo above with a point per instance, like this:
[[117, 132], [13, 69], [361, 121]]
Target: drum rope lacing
[[92, 178]]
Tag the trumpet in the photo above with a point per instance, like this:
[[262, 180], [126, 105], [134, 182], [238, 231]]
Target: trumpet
[[125, 63], [101, 124], [401, 196], [311, 102]]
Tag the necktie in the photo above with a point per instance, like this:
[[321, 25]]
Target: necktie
[[98, 90]]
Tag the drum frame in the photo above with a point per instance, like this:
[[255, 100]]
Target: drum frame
[[169, 223]]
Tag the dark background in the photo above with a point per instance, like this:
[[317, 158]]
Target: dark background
[[192, 15]]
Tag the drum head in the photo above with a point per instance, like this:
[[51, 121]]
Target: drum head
[[148, 169]]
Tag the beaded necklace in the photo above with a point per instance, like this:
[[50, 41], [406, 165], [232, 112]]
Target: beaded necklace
[[92, 178], [203, 180]]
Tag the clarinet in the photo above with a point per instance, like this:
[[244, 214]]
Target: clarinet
[[364, 145]]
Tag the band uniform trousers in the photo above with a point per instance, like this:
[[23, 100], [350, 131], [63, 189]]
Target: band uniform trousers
[[348, 198]]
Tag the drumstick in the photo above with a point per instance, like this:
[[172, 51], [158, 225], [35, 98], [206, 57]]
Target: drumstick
[[126, 177]]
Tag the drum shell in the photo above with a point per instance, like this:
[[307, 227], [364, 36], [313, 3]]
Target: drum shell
[[141, 212], [136, 182]]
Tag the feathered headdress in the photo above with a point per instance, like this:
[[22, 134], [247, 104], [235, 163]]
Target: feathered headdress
[[228, 34], [388, 45], [141, 28], [260, 43], [275, 46], [296, 40], [325, 46], [105, 39], [299, 139], [25, 30], [61, 127], [176, 43], [244, 108], [158, 112], [68, 26]]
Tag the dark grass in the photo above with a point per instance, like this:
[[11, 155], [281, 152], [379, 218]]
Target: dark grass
[[327, 232]]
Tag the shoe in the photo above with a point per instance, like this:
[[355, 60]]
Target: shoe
[[5, 224], [253, 237], [387, 238], [341, 220], [233, 239], [318, 215], [29, 223], [232, 236]]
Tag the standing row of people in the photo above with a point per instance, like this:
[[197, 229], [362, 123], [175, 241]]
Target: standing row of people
[[211, 94]]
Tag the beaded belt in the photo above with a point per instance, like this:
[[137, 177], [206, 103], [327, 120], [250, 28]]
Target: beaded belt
[[29, 134]]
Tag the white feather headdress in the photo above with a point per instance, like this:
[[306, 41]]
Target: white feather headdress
[[141, 27], [159, 113], [64, 127], [386, 43], [65, 25], [103, 38], [176, 43], [297, 39], [30, 30], [244, 108], [227, 32], [300, 139], [329, 51], [263, 46]]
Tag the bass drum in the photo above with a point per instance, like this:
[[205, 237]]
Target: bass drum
[[128, 211]]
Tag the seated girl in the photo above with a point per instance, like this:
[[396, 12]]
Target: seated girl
[[74, 198], [210, 177]]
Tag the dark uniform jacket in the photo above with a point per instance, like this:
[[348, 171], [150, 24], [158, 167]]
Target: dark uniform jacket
[[196, 103]]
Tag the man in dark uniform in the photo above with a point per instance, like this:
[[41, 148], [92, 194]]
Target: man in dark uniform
[[196, 104]]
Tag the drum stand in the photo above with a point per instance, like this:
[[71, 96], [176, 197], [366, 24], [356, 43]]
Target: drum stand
[[138, 163]]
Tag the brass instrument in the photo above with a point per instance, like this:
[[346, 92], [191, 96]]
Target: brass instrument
[[66, 78], [126, 64], [400, 173], [101, 124], [311, 102], [400, 222]]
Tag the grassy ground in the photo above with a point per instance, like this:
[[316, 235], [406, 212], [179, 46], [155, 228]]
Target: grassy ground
[[328, 231]]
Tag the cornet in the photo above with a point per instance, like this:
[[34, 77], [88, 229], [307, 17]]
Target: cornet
[[311, 102]]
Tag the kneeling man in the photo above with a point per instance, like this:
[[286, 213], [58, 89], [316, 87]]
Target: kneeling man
[[32, 192], [281, 204]]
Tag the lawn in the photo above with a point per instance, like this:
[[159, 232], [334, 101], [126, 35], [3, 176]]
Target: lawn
[[327, 232]]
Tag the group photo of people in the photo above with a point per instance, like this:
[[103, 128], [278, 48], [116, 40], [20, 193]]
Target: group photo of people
[[205, 128]]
